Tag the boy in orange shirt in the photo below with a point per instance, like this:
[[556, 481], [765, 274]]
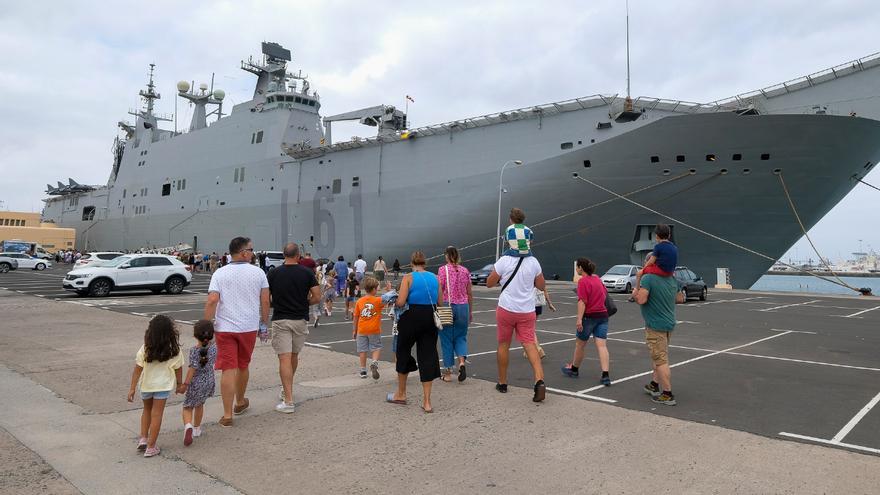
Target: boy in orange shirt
[[368, 327]]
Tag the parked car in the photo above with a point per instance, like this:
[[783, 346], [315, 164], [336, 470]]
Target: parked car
[[98, 256], [25, 261], [274, 259], [7, 264], [155, 272], [691, 284], [478, 277], [620, 278]]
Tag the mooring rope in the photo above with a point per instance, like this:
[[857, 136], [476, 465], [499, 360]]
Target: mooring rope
[[804, 230], [560, 217], [713, 236], [869, 185]]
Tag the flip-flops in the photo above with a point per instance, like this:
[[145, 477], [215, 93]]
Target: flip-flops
[[427, 411], [391, 400]]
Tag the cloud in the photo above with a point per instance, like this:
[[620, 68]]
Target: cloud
[[69, 73]]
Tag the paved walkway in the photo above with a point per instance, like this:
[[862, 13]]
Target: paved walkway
[[64, 372]]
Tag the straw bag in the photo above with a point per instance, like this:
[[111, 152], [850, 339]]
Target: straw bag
[[443, 314]]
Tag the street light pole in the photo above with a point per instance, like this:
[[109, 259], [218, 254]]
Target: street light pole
[[500, 191]]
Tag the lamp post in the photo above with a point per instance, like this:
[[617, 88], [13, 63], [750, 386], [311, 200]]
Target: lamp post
[[500, 192]]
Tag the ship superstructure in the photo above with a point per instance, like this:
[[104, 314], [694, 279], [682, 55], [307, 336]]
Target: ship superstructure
[[270, 170]]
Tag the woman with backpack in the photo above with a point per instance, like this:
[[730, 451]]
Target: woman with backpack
[[592, 319]]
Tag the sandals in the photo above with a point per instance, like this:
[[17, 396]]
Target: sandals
[[427, 411], [391, 400], [462, 373], [446, 376], [540, 391], [501, 387]]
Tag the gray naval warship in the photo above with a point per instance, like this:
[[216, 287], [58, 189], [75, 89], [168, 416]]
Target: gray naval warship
[[596, 174]]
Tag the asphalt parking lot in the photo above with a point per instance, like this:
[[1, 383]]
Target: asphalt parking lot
[[799, 367]]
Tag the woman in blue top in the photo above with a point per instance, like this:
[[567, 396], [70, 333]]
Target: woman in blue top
[[421, 291]]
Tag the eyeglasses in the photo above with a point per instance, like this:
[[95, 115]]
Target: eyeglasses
[[249, 249]]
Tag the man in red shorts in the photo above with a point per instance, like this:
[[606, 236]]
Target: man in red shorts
[[238, 302], [519, 274]]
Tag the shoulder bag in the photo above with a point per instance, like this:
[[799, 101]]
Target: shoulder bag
[[610, 307], [445, 312], [515, 270]]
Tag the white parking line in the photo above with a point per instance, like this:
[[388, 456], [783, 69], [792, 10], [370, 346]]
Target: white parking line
[[728, 301], [789, 305], [829, 442], [837, 440], [861, 312], [638, 375], [580, 396], [855, 419]]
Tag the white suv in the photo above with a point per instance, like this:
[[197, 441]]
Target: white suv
[[155, 272], [99, 257], [274, 259], [25, 261]]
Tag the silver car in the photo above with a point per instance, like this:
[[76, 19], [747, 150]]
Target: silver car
[[7, 264]]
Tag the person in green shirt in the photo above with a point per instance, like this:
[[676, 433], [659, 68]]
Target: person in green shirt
[[656, 296]]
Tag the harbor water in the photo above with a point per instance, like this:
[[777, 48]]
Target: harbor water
[[801, 283]]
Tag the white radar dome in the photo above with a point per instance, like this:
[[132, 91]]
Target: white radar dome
[[183, 86], [219, 94], [203, 86]]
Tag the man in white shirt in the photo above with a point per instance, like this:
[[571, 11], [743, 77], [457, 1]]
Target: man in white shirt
[[360, 269], [518, 277], [238, 302]]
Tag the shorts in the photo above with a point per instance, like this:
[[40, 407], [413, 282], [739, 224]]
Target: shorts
[[349, 299], [597, 327], [359, 276], [289, 335], [234, 349], [658, 344], [394, 344], [162, 395], [380, 275], [539, 310], [369, 343], [523, 324], [655, 270]]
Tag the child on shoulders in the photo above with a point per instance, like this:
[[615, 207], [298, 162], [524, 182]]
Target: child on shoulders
[[662, 260]]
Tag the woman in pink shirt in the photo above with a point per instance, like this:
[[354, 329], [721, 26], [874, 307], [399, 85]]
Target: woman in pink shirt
[[592, 319], [455, 285]]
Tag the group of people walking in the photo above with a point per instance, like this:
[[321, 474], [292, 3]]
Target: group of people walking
[[425, 308]]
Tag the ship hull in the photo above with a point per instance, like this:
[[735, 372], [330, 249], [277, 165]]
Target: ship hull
[[408, 209]]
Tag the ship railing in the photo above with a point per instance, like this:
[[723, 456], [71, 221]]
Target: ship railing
[[807, 81], [679, 106], [537, 111]]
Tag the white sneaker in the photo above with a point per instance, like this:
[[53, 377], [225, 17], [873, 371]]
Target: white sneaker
[[197, 431], [285, 408]]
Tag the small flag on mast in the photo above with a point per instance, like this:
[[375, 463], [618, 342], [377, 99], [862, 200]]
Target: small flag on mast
[[410, 98]]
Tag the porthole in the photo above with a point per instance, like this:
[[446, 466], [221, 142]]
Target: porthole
[[710, 158], [692, 171], [765, 156], [723, 171], [679, 158], [747, 171], [587, 164], [592, 140], [737, 157], [777, 171], [666, 171], [655, 159], [567, 146], [579, 142]]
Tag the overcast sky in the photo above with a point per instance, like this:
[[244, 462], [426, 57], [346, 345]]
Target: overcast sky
[[69, 72]]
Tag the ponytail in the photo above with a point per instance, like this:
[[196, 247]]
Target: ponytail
[[203, 330]]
